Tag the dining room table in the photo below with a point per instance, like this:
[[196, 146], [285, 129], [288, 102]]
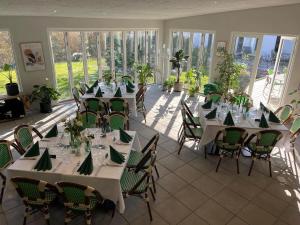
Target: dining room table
[[106, 174], [247, 120], [108, 92]]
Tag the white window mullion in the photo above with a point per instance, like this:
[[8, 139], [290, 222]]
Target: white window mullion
[[112, 54], [180, 42], [69, 61], [100, 72], [84, 56], [190, 51], [201, 49], [146, 47], [124, 53], [135, 52]]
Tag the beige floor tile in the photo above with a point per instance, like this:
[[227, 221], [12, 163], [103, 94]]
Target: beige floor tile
[[172, 183], [244, 188], [279, 222], [191, 197], [230, 200], [163, 171], [186, 155], [255, 215], [188, 173], [258, 179], [291, 215], [172, 211], [171, 146], [171, 162], [203, 165], [271, 204], [236, 221], [223, 176], [213, 213], [145, 219], [207, 185], [161, 195], [193, 219]]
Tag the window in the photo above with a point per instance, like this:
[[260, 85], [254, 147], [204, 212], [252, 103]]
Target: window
[[80, 56], [6, 57]]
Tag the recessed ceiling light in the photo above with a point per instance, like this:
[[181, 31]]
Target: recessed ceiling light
[[54, 11]]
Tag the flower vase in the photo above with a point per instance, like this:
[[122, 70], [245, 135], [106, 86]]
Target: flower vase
[[87, 146], [75, 144]]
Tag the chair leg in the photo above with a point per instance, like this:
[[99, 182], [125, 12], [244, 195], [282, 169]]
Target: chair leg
[[156, 171], [270, 167], [237, 165], [46, 214], [148, 206], [219, 162], [153, 183], [251, 166], [25, 215], [88, 217], [181, 144], [152, 194], [3, 187], [205, 152], [68, 216], [179, 132]]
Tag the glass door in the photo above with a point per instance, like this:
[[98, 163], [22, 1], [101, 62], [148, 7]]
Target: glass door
[[281, 70], [245, 49]]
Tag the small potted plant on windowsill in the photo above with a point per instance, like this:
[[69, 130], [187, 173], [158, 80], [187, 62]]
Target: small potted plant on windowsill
[[144, 72], [45, 95], [11, 87], [177, 62]]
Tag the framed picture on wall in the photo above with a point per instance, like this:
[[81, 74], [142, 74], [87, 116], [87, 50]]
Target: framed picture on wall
[[33, 56], [221, 46]]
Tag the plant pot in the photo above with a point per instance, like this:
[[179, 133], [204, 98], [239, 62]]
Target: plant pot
[[45, 107], [12, 89], [164, 88], [178, 86], [140, 85], [169, 89]]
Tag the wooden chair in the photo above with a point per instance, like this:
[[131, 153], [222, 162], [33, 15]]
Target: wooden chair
[[76, 97], [89, 119], [285, 113], [231, 143], [37, 195], [118, 105], [140, 97], [263, 146], [24, 138], [117, 120], [294, 132]]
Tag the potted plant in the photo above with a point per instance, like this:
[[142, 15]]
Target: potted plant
[[171, 82], [144, 72], [165, 85], [45, 95], [107, 77], [11, 87], [193, 89], [177, 61]]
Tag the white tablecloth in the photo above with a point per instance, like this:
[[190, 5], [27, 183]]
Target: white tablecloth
[[109, 94], [211, 127], [105, 177]]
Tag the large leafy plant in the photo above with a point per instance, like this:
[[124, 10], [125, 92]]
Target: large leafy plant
[[177, 62], [44, 94], [229, 72], [7, 72], [144, 71]]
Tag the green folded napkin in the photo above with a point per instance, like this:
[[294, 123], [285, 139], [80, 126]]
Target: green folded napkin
[[263, 107], [273, 118], [95, 84], [86, 167], [129, 84], [86, 86], [99, 93], [33, 151], [44, 162], [116, 156], [90, 90], [53, 132], [118, 93], [129, 89], [124, 136], [263, 122], [207, 105], [212, 114], [228, 120]]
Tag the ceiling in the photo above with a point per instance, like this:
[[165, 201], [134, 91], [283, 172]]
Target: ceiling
[[131, 9]]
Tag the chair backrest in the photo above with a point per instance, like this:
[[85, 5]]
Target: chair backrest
[[214, 97], [89, 119], [152, 143], [234, 135], [5, 154], [77, 195], [295, 128], [92, 104], [284, 112], [82, 87], [32, 191], [118, 105], [186, 108], [127, 78], [140, 95], [75, 93], [118, 120], [23, 136], [268, 138]]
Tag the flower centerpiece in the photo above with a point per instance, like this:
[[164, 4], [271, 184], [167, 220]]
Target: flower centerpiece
[[74, 128]]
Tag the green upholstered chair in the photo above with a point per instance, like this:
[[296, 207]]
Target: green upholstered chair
[[136, 182], [118, 105], [140, 97], [284, 113], [229, 141], [136, 157], [210, 88], [89, 119], [261, 144], [294, 132], [214, 97], [96, 105], [190, 131], [37, 195], [24, 137], [6, 159], [82, 88], [79, 199], [117, 120]]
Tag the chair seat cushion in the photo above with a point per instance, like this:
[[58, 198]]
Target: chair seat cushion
[[197, 132], [129, 179], [134, 158], [93, 203], [228, 147], [259, 149], [195, 119]]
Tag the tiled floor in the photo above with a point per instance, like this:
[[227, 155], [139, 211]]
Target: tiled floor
[[189, 191]]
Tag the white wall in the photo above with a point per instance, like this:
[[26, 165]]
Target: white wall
[[34, 29], [282, 20]]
